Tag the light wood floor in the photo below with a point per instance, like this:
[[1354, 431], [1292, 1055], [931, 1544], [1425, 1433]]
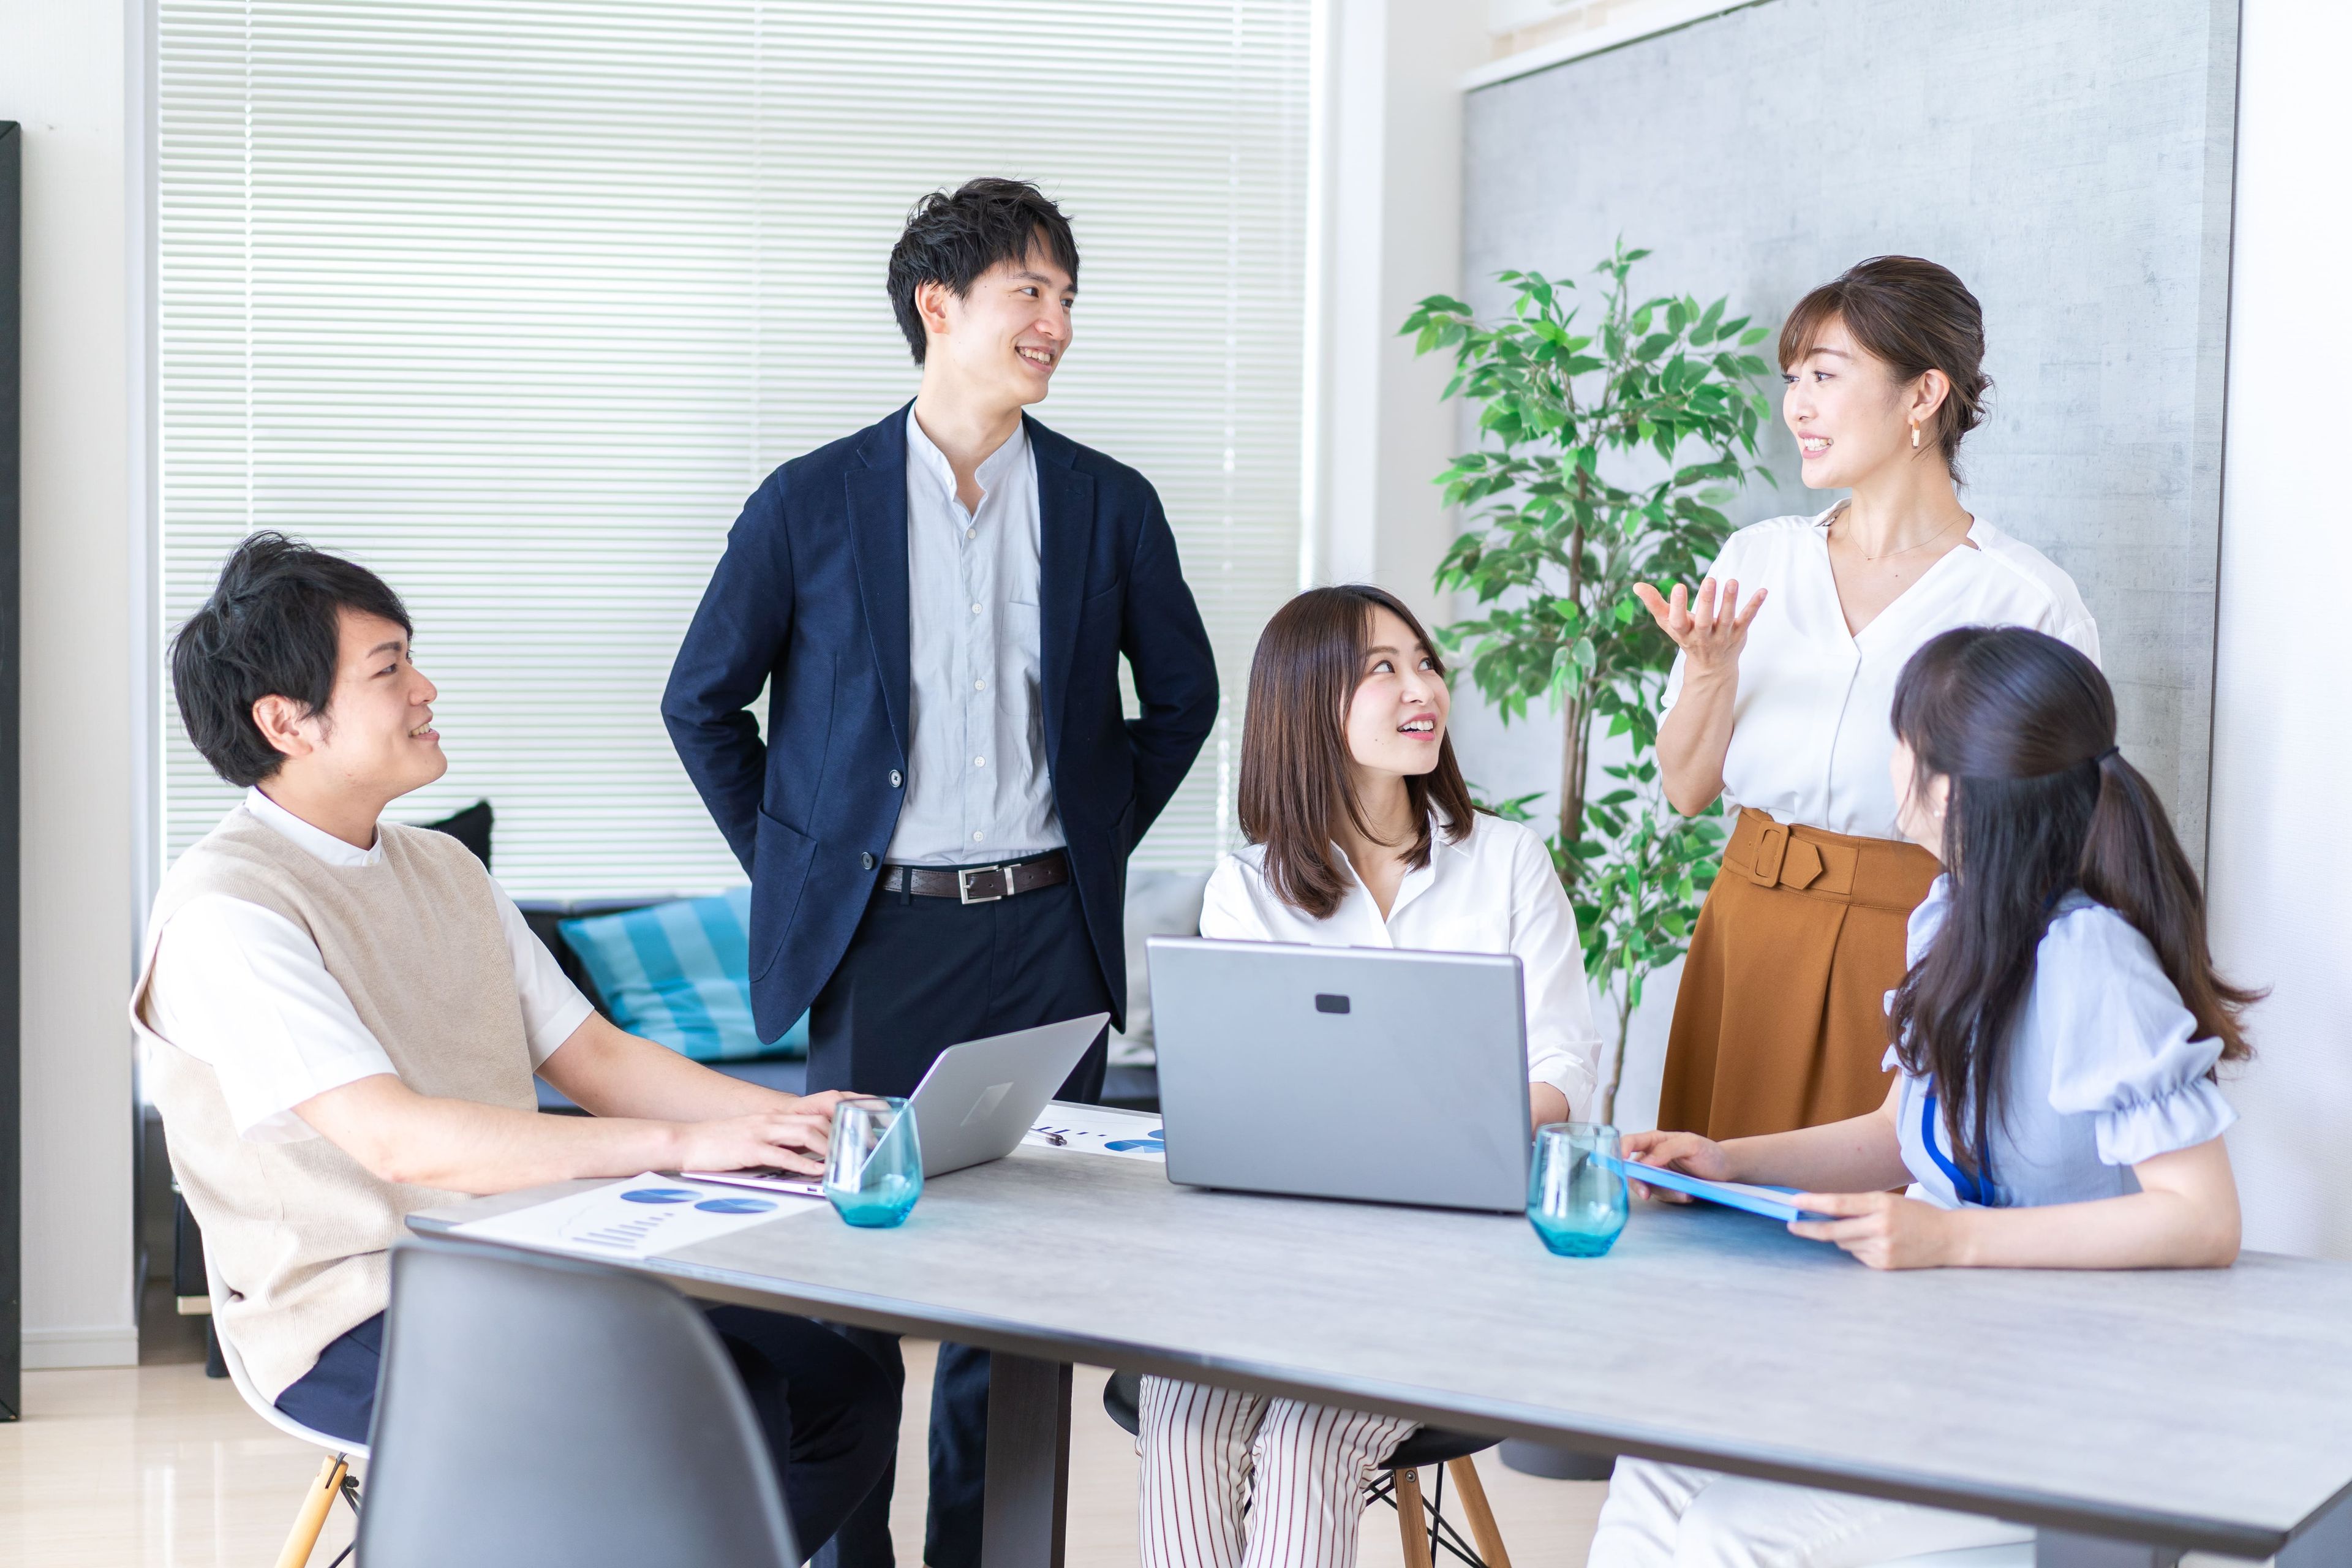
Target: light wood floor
[[159, 1467]]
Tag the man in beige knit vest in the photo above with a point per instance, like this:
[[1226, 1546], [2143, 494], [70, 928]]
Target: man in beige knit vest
[[342, 1017]]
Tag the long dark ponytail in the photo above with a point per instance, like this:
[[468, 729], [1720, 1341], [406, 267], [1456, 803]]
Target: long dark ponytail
[[2042, 803]]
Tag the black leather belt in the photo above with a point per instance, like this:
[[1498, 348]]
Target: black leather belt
[[978, 884]]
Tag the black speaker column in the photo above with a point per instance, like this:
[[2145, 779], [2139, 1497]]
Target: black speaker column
[[11, 1182]]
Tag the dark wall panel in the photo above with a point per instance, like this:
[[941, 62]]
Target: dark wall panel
[[12, 1185]]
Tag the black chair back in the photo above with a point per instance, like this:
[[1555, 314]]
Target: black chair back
[[543, 1410]]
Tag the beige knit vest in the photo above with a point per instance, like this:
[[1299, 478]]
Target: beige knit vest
[[297, 1232]]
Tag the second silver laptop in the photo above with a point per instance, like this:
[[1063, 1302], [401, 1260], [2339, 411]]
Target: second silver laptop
[[1343, 1072]]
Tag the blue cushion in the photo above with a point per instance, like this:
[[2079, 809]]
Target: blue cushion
[[680, 972]]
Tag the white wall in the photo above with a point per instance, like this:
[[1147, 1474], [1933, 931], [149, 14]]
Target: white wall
[[1390, 197], [63, 74], [2280, 860]]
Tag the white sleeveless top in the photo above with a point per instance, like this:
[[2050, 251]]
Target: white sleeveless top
[[1811, 735]]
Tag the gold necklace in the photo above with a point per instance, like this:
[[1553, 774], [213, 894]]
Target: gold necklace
[[1907, 549]]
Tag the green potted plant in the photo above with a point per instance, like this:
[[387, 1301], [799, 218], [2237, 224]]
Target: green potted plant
[[1610, 448]]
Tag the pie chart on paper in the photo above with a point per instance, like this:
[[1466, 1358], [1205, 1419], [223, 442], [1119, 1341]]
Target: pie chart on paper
[[661, 1195]]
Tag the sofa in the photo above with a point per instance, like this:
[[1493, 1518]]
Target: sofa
[[1158, 903]]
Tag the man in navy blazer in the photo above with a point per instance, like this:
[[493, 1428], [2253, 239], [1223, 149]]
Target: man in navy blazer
[[937, 823]]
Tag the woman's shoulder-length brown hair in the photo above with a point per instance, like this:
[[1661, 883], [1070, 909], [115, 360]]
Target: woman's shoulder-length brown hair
[[1296, 786]]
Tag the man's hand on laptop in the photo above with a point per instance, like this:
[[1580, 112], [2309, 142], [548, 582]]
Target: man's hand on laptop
[[794, 1140], [698, 1120]]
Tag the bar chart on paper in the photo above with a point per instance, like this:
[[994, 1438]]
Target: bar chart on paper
[[640, 1218]]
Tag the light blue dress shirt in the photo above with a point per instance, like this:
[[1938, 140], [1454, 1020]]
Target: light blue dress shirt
[[978, 791], [2104, 1070]]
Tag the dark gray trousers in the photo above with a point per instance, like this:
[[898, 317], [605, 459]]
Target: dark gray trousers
[[922, 974]]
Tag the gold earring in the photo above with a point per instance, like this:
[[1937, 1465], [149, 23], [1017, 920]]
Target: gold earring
[[1915, 435]]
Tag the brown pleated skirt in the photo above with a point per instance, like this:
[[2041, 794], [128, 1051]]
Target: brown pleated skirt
[[1782, 1019]]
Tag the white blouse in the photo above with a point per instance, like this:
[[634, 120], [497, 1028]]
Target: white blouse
[[1493, 891], [1811, 734]]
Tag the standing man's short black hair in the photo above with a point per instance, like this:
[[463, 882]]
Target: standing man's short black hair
[[271, 628], [953, 237]]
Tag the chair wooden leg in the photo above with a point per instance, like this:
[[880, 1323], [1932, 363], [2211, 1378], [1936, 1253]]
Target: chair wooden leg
[[1413, 1518], [1473, 1494], [313, 1516]]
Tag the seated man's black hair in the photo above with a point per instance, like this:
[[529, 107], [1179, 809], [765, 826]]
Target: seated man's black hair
[[953, 237], [271, 628]]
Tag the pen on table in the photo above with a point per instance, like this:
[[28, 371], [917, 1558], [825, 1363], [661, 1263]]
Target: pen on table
[[1055, 1139]]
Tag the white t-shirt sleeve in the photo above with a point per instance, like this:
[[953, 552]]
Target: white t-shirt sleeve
[[1563, 1046], [244, 989], [553, 1007]]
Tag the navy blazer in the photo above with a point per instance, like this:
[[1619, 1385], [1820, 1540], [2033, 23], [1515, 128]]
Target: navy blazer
[[809, 600]]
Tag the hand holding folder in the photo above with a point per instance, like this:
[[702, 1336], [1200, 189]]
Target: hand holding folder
[[1771, 1202]]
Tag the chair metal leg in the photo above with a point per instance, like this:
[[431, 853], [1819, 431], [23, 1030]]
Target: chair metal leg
[[1472, 1493], [312, 1518], [1412, 1519]]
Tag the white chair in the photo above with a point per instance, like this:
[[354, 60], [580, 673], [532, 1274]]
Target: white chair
[[334, 1475]]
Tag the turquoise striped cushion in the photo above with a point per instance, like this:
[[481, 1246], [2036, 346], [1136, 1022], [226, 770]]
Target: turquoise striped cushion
[[680, 972]]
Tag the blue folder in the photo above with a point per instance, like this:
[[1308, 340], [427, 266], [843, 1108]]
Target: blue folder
[[1730, 1195]]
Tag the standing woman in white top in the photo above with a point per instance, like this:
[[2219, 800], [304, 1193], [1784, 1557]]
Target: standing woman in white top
[[1361, 835], [1780, 707]]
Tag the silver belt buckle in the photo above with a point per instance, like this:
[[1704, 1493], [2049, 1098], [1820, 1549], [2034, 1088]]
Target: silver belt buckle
[[963, 883]]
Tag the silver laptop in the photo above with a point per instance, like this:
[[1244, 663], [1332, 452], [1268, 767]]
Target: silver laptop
[[1340, 1072], [979, 1097]]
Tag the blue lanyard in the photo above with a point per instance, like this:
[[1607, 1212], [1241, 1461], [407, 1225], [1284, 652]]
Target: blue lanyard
[[1976, 1189], [1970, 1189]]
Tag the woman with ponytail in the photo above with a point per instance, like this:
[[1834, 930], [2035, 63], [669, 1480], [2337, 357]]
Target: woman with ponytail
[[2055, 1041]]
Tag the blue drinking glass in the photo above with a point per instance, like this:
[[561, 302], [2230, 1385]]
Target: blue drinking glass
[[1576, 1198], [875, 1171]]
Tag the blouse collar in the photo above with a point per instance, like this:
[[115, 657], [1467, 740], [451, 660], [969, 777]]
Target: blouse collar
[[1418, 879]]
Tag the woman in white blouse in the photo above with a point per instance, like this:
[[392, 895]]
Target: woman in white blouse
[[1360, 835], [1780, 706]]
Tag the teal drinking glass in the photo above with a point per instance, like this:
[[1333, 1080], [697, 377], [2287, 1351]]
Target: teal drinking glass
[[873, 1172], [1576, 1198]]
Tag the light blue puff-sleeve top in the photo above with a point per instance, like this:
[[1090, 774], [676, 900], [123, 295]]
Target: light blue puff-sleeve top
[[2105, 1070]]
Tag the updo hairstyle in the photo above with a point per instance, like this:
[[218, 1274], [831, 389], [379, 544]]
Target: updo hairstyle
[[1915, 316]]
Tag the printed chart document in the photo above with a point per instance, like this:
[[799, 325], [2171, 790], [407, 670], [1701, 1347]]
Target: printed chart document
[[641, 1218], [1097, 1129], [1771, 1202]]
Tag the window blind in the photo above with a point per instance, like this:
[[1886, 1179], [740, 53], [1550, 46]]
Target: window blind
[[515, 302]]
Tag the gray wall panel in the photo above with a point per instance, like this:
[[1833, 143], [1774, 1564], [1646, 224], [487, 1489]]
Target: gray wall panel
[[2071, 161]]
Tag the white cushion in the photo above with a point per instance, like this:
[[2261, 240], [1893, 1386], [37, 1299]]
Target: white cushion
[[1159, 904]]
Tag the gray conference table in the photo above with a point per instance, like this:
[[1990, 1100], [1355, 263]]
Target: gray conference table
[[2125, 1415]]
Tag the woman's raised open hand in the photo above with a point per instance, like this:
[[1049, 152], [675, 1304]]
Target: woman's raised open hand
[[1710, 629]]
